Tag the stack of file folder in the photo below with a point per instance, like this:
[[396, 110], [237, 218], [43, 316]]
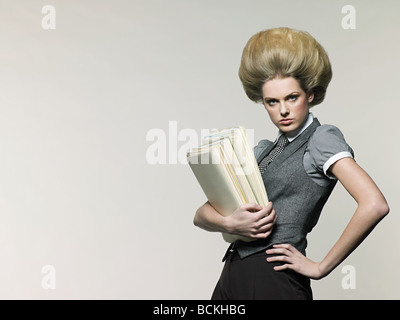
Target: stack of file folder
[[227, 171]]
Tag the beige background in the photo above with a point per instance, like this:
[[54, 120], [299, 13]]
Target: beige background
[[76, 104]]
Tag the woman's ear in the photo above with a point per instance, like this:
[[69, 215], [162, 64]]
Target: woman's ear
[[310, 96]]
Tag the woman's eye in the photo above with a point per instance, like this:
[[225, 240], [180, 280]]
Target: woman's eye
[[271, 102], [293, 98]]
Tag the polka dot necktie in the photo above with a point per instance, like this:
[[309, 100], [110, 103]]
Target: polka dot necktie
[[280, 145]]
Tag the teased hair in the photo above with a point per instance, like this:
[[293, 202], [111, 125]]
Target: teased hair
[[285, 52]]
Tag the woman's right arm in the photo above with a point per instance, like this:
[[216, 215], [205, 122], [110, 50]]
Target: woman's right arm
[[249, 220]]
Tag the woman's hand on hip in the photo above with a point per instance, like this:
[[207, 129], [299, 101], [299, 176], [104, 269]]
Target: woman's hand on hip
[[294, 260]]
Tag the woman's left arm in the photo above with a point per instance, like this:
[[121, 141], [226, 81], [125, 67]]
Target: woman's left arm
[[372, 207]]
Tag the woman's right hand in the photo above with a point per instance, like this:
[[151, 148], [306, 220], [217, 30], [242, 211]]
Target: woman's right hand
[[251, 220]]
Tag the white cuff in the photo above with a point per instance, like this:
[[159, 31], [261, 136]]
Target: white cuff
[[333, 159]]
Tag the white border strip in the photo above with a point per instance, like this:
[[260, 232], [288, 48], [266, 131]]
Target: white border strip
[[333, 159]]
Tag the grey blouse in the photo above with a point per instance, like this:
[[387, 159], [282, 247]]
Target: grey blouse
[[326, 146]]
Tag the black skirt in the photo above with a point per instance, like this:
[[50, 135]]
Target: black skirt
[[253, 278]]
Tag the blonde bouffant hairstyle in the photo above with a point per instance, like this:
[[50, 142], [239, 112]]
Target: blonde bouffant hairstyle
[[285, 52]]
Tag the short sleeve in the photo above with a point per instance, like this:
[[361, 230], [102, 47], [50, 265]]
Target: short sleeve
[[326, 146]]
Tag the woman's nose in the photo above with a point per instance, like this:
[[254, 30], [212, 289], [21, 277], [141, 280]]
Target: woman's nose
[[284, 110]]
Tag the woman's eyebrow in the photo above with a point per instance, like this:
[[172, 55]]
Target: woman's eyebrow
[[293, 93], [287, 96]]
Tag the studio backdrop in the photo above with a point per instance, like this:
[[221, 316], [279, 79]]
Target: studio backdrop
[[101, 100]]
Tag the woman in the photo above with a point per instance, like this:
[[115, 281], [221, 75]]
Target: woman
[[289, 71]]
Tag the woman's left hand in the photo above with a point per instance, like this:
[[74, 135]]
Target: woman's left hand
[[294, 260]]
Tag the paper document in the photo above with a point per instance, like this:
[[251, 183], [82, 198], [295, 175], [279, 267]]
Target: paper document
[[228, 173]]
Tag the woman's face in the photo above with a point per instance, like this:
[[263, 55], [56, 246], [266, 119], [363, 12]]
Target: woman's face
[[286, 103]]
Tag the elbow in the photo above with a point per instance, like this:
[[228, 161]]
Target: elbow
[[196, 220], [380, 208], [384, 211]]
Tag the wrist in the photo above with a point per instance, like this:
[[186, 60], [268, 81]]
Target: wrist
[[323, 270], [227, 224]]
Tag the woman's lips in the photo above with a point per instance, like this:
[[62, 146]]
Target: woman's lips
[[286, 122]]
